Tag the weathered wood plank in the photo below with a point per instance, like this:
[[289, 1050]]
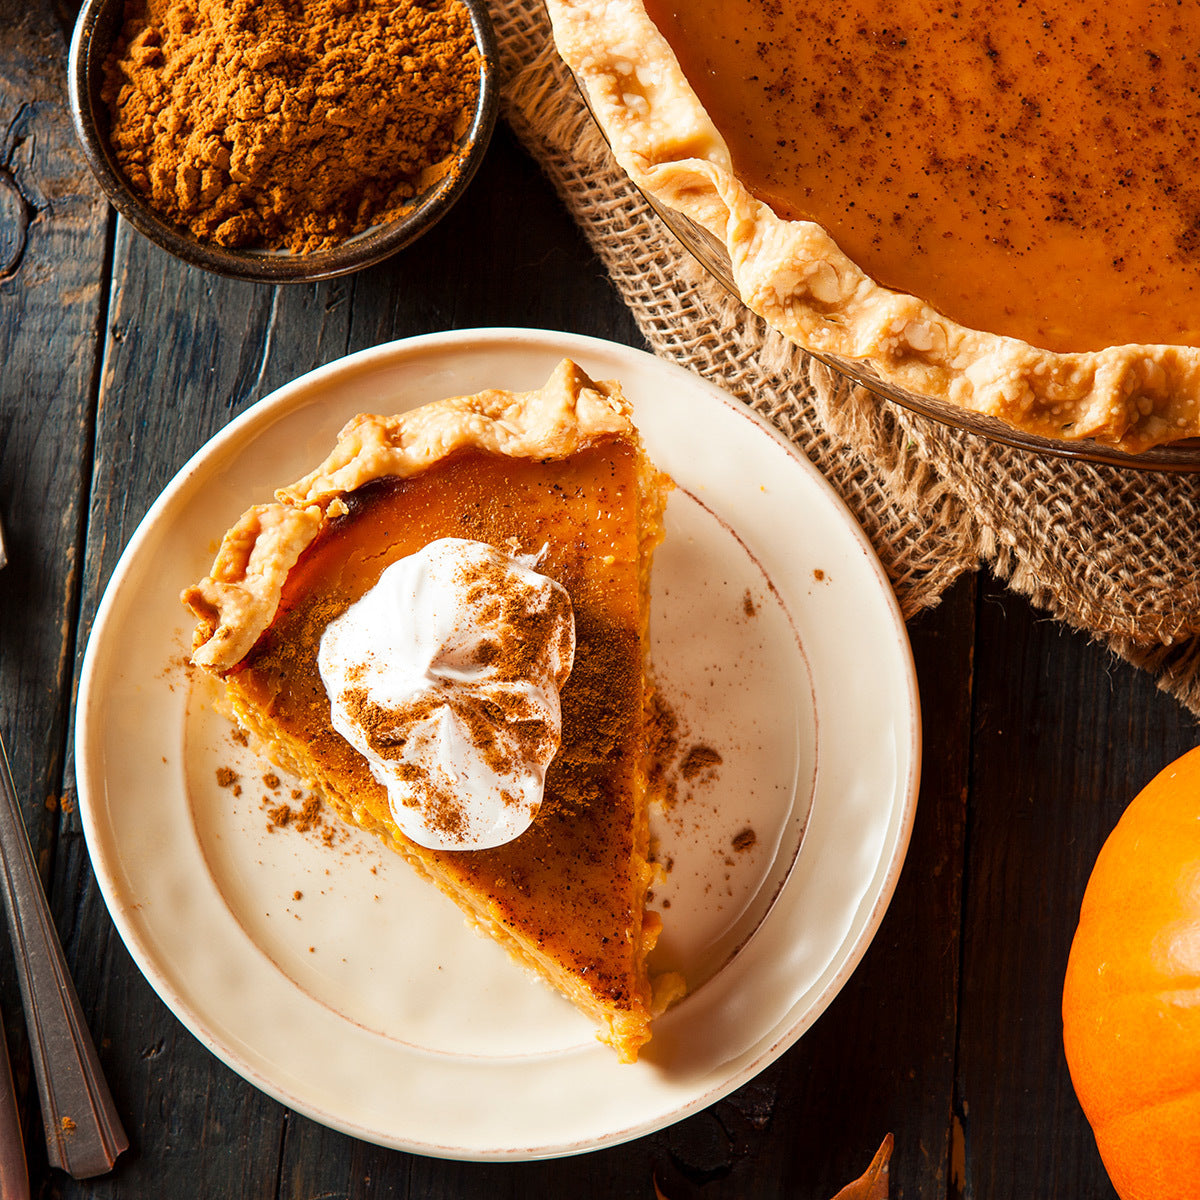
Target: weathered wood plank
[[1064, 737], [507, 254], [53, 227], [53, 235]]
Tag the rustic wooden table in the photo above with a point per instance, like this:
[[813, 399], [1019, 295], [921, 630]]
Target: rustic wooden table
[[119, 362]]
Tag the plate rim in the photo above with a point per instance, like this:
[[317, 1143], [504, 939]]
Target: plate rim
[[276, 405]]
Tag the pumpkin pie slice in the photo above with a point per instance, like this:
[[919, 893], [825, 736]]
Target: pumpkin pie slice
[[552, 486]]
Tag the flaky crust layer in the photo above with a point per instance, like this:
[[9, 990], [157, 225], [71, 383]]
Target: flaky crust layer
[[794, 276], [238, 599]]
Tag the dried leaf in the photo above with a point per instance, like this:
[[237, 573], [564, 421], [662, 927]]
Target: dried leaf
[[874, 1184]]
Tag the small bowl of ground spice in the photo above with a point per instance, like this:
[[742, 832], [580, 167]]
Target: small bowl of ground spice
[[283, 140]]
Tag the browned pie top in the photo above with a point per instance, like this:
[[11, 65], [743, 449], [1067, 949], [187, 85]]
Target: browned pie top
[[1029, 169]]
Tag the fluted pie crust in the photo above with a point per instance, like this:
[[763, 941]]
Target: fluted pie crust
[[792, 273], [558, 473]]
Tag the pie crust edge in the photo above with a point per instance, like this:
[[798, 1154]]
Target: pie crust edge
[[237, 601]]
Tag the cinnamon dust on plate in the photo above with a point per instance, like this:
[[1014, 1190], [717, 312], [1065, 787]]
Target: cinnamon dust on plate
[[288, 124]]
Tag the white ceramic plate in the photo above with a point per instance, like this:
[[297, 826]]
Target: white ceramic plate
[[323, 971]]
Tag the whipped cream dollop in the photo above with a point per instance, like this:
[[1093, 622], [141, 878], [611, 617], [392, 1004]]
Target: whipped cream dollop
[[445, 676]]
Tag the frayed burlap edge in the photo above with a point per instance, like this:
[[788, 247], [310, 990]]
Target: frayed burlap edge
[[1105, 550]]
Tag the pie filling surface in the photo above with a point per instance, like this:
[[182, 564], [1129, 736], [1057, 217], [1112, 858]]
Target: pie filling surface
[[991, 205], [1028, 169], [567, 897]]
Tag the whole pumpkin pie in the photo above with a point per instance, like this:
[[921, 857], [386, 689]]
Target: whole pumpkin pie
[[505, 540], [992, 205]]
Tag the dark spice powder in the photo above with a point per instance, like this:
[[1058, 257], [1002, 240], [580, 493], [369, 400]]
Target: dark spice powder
[[288, 124], [699, 758]]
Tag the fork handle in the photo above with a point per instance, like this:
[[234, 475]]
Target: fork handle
[[83, 1132], [14, 1174]]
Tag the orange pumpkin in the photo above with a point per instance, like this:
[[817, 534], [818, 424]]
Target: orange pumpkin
[[1131, 1000]]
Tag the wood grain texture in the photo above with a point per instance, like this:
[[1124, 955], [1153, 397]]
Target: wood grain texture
[[53, 228], [53, 234], [1064, 737]]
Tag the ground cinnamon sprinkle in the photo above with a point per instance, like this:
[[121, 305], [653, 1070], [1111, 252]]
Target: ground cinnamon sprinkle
[[699, 758], [661, 734], [280, 815], [745, 840], [309, 815], [288, 124]]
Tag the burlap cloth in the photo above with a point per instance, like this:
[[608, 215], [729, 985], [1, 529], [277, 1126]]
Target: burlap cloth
[[1106, 550]]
